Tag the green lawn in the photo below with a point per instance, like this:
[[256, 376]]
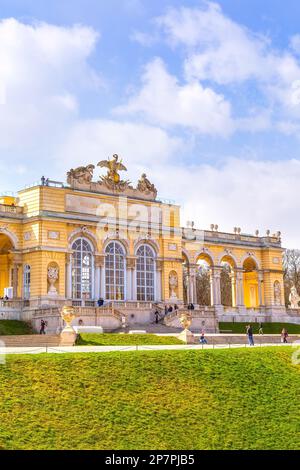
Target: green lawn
[[14, 327], [222, 399], [275, 328], [115, 339]]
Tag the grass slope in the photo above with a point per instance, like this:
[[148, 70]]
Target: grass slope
[[223, 399], [268, 328], [14, 327], [108, 339]]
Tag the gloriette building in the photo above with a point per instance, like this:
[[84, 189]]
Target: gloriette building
[[88, 239]]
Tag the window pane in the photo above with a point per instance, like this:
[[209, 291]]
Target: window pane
[[145, 273], [82, 269]]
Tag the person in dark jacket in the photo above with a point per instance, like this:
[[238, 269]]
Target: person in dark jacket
[[43, 327], [250, 335]]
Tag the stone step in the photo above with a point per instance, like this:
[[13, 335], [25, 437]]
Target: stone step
[[30, 340], [155, 328], [242, 339]]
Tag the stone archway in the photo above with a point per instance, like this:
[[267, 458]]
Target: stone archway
[[228, 281], [6, 262], [204, 265], [251, 283]]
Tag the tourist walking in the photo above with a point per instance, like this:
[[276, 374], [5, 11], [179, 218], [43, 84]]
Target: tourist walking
[[43, 327], [284, 335], [250, 335], [260, 329], [156, 316], [202, 338]]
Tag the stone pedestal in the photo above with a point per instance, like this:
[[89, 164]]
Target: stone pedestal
[[187, 337], [68, 337]]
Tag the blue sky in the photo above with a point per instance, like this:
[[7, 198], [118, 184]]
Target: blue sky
[[205, 96]]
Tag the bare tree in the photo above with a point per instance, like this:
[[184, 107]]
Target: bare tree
[[203, 286], [291, 267], [226, 291]]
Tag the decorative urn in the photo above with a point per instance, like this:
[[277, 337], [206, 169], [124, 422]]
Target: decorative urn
[[67, 314]]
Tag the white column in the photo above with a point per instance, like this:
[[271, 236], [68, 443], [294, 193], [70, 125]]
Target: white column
[[97, 283], [69, 280], [188, 289], [216, 286], [102, 281], [212, 288], [233, 289], [158, 285], [192, 285], [128, 295], [240, 289], [133, 283], [260, 287]]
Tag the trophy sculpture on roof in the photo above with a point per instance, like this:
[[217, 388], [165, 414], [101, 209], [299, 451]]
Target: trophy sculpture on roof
[[112, 179]]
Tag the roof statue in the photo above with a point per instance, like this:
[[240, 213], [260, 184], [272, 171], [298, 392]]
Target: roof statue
[[82, 174], [112, 180], [113, 166], [145, 186], [111, 183]]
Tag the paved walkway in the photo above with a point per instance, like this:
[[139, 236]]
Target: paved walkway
[[103, 349]]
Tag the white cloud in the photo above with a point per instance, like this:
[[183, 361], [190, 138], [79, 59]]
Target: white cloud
[[218, 48], [145, 39], [221, 50], [141, 146], [248, 194], [165, 102], [43, 70], [295, 43], [224, 52]]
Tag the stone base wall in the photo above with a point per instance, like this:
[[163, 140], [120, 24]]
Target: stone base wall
[[8, 314], [256, 318]]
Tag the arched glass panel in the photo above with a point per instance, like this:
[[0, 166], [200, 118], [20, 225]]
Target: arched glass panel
[[26, 281], [82, 269], [145, 274], [115, 272]]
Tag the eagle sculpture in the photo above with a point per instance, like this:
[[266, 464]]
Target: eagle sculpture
[[114, 166]]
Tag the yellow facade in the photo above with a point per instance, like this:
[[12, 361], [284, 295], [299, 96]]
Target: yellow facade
[[39, 227]]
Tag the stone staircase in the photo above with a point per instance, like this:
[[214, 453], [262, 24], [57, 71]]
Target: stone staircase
[[29, 341], [202, 318], [155, 328]]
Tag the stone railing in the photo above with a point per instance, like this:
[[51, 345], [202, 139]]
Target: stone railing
[[7, 209], [84, 303], [134, 304], [196, 313], [235, 238], [12, 304]]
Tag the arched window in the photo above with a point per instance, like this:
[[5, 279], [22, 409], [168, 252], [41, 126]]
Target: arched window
[[82, 269], [115, 271], [145, 274], [26, 282]]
